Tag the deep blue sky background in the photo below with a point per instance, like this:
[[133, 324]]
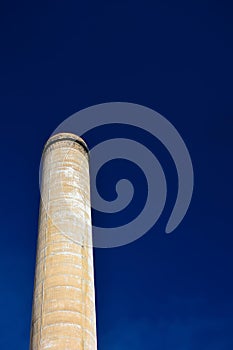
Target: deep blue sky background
[[163, 291]]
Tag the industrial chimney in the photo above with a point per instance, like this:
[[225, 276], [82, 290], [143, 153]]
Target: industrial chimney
[[63, 316]]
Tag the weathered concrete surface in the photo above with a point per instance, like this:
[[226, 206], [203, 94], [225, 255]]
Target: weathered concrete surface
[[63, 315]]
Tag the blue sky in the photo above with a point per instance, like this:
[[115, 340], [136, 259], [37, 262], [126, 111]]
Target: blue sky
[[162, 291]]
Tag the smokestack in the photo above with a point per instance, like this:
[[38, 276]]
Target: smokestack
[[63, 316]]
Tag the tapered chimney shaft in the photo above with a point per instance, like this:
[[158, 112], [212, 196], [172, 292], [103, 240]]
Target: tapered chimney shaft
[[63, 316]]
